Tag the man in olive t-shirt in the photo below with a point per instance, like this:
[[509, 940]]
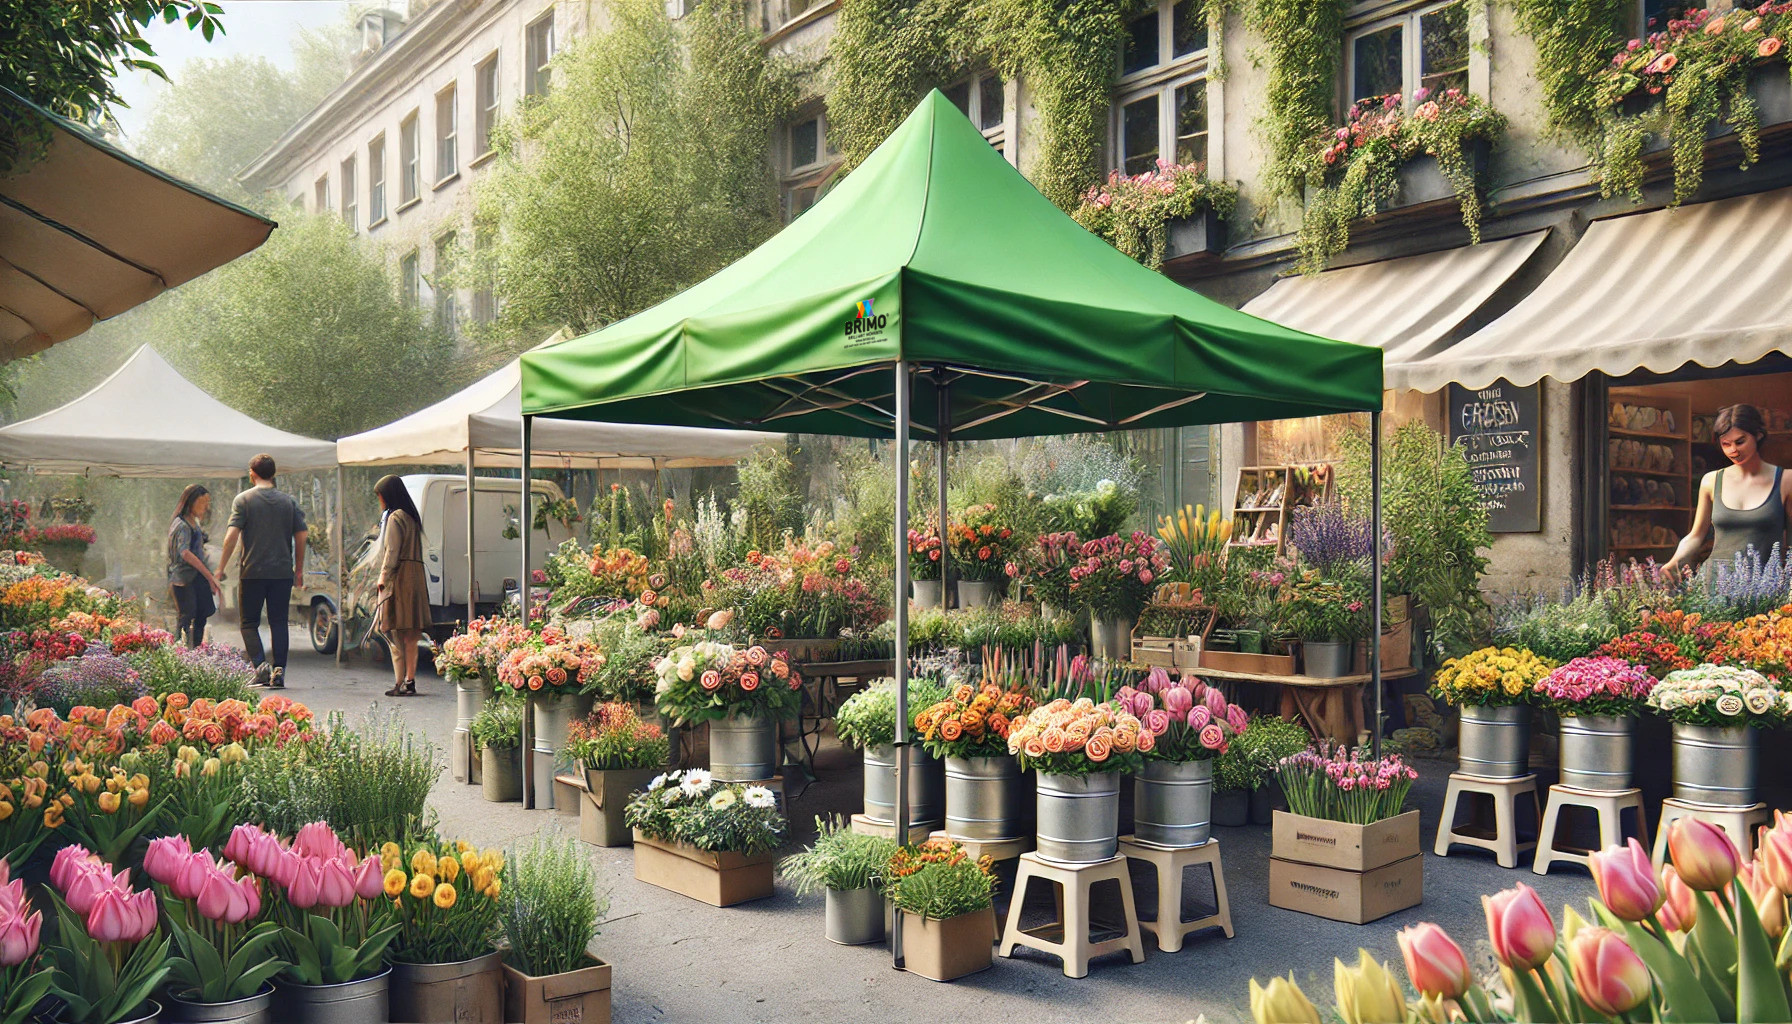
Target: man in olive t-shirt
[[270, 525]]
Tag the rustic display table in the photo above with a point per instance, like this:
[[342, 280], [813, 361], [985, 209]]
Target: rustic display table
[[1330, 706]]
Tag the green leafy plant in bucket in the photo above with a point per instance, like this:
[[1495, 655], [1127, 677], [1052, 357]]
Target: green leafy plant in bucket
[[839, 859], [938, 880], [550, 906], [868, 718]]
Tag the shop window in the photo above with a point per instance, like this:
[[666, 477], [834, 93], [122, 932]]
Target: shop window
[[485, 79], [409, 174], [981, 98], [1425, 47], [376, 180], [410, 280], [447, 111], [350, 211], [540, 51]]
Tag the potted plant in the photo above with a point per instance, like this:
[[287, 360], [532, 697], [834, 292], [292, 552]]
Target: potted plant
[[947, 903], [1493, 688], [335, 922], [550, 908], [1346, 848], [849, 866], [25, 977], [925, 555], [1266, 741], [1080, 750], [705, 839], [1716, 710], [1192, 724], [620, 755], [1113, 581], [1046, 569], [979, 552], [1169, 211], [498, 733], [1327, 619], [549, 668], [226, 951], [108, 958], [64, 545], [445, 965], [469, 660], [988, 798], [867, 721], [1597, 699], [741, 694]]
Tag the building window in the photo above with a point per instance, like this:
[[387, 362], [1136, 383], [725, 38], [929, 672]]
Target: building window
[[485, 307], [981, 98], [443, 285], [1162, 107], [376, 180], [446, 112], [350, 211], [808, 162], [1425, 47], [486, 82], [409, 174], [540, 54], [320, 194], [410, 280]]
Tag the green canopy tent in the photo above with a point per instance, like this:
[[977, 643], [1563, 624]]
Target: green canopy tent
[[936, 293]]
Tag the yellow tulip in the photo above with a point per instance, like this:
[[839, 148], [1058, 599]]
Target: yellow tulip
[[422, 886], [470, 861], [448, 868], [187, 755], [423, 862], [1367, 993], [53, 816], [495, 888], [1281, 1002], [233, 754], [210, 767], [139, 798], [445, 896], [5, 810], [109, 803], [482, 878], [395, 882]]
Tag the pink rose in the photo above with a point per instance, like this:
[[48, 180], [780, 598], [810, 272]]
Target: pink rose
[[749, 681]]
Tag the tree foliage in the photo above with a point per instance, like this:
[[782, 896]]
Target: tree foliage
[[886, 54], [642, 172]]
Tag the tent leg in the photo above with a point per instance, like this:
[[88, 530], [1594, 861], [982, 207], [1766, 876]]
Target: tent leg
[[901, 653], [340, 542], [472, 564], [523, 597], [1376, 557], [942, 433]]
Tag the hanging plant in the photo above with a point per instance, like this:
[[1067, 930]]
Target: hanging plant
[[1355, 169], [1133, 212], [1302, 49]]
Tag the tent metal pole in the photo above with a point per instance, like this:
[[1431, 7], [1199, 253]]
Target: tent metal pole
[[1375, 556], [341, 543], [523, 598], [472, 561], [942, 433], [901, 608]]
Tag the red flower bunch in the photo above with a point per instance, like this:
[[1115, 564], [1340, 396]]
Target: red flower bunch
[[1659, 654]]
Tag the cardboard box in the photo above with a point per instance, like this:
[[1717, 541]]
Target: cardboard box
[[718, 879], [576, 997], [607, 793], [569, 793], [953, 948], [1396, 650], [1338, 844], [1354, 897]]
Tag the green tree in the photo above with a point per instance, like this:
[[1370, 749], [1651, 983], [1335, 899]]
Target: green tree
[[642, 172]]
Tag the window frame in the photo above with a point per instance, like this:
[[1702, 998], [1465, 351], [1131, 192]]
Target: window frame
[[447, 142], [794, 178], [537, 69], [442, 294], [486, 114], [410, 161], [376, 179], [1410, 16], [1162, 80], [997, 136], [350, 201], [320, 194], [410, 279]]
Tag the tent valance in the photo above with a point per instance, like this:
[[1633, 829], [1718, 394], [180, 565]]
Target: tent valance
[[87, 232], [146, 420], [486, 419], [1650, 291], [1408, 307]]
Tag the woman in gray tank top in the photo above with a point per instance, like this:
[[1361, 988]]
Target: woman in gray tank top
[[1743, 505]]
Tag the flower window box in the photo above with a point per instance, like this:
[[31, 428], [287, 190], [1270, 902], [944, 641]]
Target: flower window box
[[1200, 235]]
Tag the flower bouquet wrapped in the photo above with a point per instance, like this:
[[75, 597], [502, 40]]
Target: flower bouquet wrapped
[[1595, 686], [1329, 783], [1720, 695], [690, 807], [1490, 677], [1188, 720], [1079, 737], [706, 681]]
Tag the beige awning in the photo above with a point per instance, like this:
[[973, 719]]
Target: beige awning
[[87, 232], [1704, 284], [1408, 307]]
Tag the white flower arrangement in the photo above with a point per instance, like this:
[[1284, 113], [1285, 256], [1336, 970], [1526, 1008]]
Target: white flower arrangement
[[691, 807], [1721, 695]]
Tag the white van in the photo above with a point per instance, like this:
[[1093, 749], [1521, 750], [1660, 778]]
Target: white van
[[442, 502]]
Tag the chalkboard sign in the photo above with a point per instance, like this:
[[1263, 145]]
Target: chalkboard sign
[[1500, 429]]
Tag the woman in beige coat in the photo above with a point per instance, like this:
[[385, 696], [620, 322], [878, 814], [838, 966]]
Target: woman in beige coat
[[402, 608]]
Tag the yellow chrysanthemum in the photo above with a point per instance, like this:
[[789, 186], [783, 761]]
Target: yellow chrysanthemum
[[390, 850], [422, 885], [423, 862], [448, 868], [395, 882], [445, 896]]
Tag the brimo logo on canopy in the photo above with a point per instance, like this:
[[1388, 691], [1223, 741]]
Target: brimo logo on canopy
[[865, 323]]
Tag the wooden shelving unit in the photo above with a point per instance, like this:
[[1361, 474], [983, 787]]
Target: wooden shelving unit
[[1635, 451], [1264, 497]]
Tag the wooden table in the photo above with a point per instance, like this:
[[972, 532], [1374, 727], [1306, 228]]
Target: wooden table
[[823, 690], [1330, 706]]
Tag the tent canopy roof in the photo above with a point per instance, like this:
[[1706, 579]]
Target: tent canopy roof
[[146, 420], [87, 232], [936, 251], [486, 418]]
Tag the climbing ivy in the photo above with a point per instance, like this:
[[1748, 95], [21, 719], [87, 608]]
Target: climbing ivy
[[1302, 48], [886, 54], [1575, 40]]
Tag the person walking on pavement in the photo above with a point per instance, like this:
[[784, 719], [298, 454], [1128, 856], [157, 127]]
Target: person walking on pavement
[[190, 578], [402, 611], [270, 526]]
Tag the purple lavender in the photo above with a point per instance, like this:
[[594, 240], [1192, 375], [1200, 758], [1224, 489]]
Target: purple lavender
[[1746, 585], [1329, 538], [98, 678]]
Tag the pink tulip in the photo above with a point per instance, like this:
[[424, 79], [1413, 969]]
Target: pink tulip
[[1626, 880], [317, 840], [214, 895], [1177, 701], [19, 932], [110, 917], [67, 861], [1703, 854], [1770, 906], [163, 860], [1434, 962], [1775, 853], [302, 892], [1607, 972], [283, 867], [1198, 717], [1215, 701], [245, 901], [142, 909], [1520, 927], [242, 840], [1679, 908], [336, 885], [190, 879], [89, 882], [370, 878]]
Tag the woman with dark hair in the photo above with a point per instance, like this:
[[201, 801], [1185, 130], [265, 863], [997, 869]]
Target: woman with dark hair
[[1747, 503], [187, 567], [402, 610]]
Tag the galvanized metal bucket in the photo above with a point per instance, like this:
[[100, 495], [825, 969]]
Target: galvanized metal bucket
[[855, 916], [743, 748], [988, 799], [1079, 817], [501, 773], [1495, 742], [927, 593], [553, 716], [468, 695], [1325, 660], [1172, 804], [1597, 751], [256, 1009], [148, 1013], [976, 593], [1112, 638], [1714, 764], [468, 990], [926, 786], [352, 1002]]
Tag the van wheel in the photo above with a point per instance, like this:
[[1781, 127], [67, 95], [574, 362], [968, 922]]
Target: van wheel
[[324, 627]]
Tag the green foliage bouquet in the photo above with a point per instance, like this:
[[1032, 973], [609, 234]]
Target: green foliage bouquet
[[690, 807], [839, 859], [868, 718], [550, 906], [499, 724], [938, 880]]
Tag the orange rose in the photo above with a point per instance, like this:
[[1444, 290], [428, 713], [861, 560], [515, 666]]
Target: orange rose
[[1033, 747], [1098, 748], [962, 693], [998, 724], [950, 729], [1125, 742]]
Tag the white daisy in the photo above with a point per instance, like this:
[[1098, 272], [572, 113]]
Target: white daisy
[[658, 781], [695, 783], [722, 800], [759, 797]]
